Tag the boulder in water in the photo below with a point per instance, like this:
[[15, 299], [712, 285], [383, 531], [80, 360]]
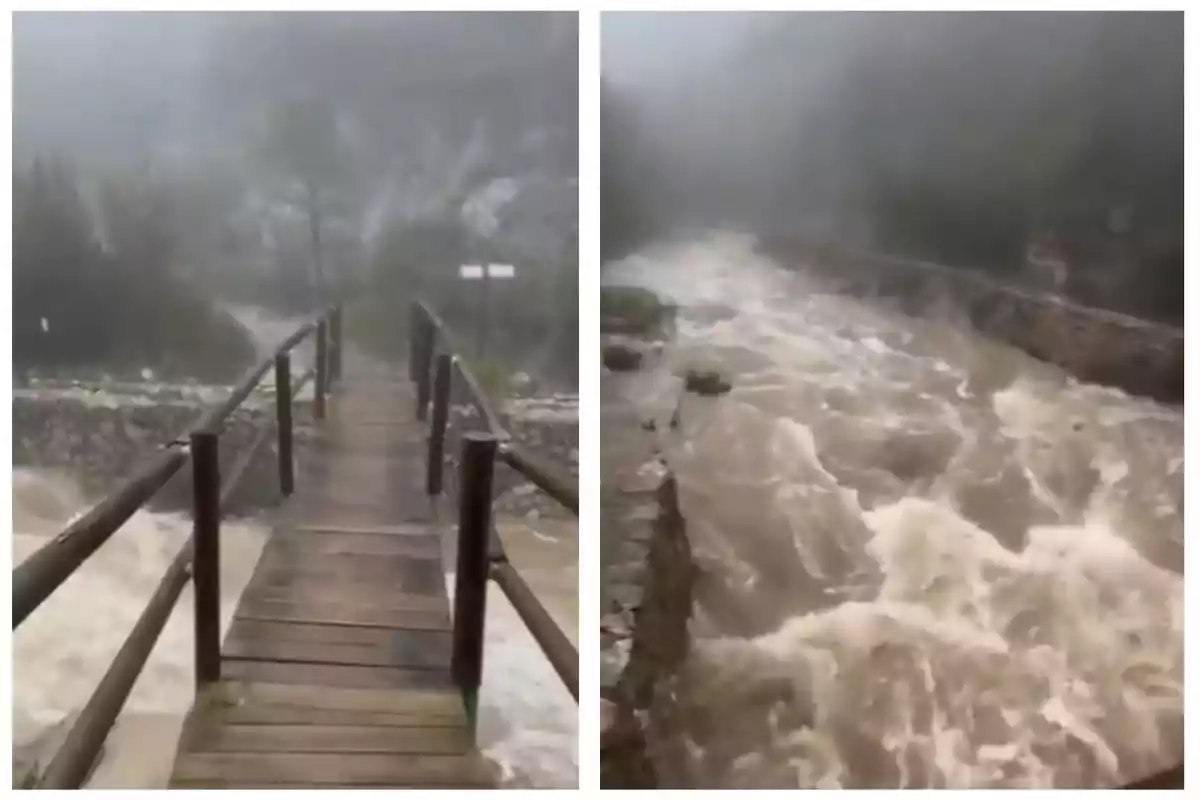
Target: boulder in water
[[621, 357], [707, 383]]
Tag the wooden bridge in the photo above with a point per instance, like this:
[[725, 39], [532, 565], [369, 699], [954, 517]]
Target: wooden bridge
[[343, 666]]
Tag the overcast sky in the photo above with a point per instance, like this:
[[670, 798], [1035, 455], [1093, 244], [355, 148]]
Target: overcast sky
[[647, 47]]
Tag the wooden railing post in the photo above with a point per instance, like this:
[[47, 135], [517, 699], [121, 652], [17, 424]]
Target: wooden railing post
[[322, 376], [206, 555], [337, 342], [414, 339], [437, 428], [471, 574], [283, 422], [425, 344]]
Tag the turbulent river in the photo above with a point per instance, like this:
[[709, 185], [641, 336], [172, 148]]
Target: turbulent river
[[925, 558], [527, 721]]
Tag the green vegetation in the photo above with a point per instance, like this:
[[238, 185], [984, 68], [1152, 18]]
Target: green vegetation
[[284, 161], [119, 305], [493, 378], [634, 311], [534, 317]]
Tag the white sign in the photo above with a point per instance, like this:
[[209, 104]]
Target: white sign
[[474, 272], [501, 271]]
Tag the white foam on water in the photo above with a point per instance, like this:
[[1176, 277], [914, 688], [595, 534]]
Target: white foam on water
[[926, 558], [63, 649], [528, 722]]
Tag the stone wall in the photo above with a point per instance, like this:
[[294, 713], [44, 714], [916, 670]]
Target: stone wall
[[658, 641], [1143, 358], [100, 441]]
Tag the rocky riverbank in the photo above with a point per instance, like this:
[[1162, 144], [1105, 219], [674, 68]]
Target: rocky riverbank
[[100, 433], [1144, 358]]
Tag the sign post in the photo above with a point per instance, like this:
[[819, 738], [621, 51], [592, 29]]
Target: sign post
[[485, 274]]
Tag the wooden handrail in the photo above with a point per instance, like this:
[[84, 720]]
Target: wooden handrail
[[38, 576], [42, 573], [71, 764], [477, 538], [559, 651], [565, 491]]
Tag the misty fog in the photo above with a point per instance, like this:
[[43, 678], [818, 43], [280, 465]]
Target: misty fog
[[163, 161], [953, 137]]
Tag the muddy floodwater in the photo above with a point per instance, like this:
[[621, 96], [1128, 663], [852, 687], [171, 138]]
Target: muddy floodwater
[[925, 558]]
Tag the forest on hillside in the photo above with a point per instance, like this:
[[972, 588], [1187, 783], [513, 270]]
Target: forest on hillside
[[165, 164], [951, 137]]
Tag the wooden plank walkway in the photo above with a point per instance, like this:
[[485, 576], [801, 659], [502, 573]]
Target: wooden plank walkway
[[336, 668]]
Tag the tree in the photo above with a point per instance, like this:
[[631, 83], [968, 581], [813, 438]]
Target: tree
[[301, 146]]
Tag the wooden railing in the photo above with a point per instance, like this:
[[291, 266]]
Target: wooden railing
[[46, 570], [435, 366]]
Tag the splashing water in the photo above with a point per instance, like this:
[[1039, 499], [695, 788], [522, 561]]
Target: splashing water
[[926, 559], [528, 722], [62, 650]]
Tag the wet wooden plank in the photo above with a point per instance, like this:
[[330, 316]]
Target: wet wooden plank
[[431, 615], [233, 693], [336, 634], [381, 655], [325, 787], [336, 675], [366, 571], [316, 545], [329, 769], [383, 574], [310, 738], [310, 594], [269, 714], [409, 529], [315, 508], [337, 644]]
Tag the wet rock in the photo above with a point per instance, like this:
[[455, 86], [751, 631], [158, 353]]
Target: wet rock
[[1096, 345], [707, 383], [658, 646], [646, 477], [102, 438], [608, 718], [615, 625], [621, 357], [626, 594]]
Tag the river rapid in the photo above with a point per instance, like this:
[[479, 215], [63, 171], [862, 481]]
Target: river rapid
[[925, 558]]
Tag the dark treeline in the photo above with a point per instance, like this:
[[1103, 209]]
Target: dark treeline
[[954, 137], [281, 160]]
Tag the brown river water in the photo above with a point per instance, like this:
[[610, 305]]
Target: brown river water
[[926, 559]]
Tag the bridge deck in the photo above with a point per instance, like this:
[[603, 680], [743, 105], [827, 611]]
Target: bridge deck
[[336, 667]]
